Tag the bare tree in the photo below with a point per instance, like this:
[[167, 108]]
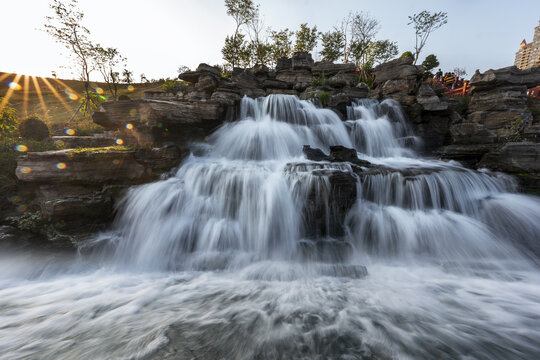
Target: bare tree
[[424, 24], [65, 26], [107, 60], [358, 30], [258, 35]]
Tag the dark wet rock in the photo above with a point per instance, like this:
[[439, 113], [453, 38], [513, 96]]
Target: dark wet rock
[[299, 80], [84, 141], [331, 251], [467, 154], [429, 99], [275, 84], [337, 154]]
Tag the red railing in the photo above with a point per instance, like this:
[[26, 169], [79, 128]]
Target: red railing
[[462, 91]]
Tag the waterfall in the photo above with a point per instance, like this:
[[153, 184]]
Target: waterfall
[[251, 251], [255, 197]]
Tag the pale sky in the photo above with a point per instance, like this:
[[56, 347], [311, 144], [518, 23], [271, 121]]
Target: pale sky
[[157, 36]]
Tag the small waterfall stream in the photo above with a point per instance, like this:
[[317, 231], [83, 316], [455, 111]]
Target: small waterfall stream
[[252, 251]]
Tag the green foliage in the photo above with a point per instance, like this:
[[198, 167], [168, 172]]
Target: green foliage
[[366, 80], [306, 38], [33, 128], [236, 50], [533, 105], [359, 31], [424, 23], [429, 63], [173, 86], [8, 122], [515, 130], [407, 54], [29, 221], [321, 80], [332, 43], [381, 51], [127, 76], [324, 97], [281, 43]]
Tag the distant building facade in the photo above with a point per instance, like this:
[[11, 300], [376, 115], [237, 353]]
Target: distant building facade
[[528, 55]]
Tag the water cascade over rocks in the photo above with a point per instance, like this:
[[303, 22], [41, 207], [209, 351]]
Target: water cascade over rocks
[[253, 250]]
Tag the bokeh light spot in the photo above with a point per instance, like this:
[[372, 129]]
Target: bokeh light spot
[[70, 132], [129, 126], [14, 86], [15, 199], [60, 143], [119, 141], [116, 162], [100, 91], [26, 170], [21, 148], [61, 166], [130, 88], [22, 208]]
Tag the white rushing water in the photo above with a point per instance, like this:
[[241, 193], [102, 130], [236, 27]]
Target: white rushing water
[[244, 253]]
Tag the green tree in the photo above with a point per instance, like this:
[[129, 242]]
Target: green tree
[[236, 49], [107, 60], [242, 11], [424, 23], [430, 63], [65, 26], [262, 52], [332, 43], [306, 38], [281, 43], [381, 51]]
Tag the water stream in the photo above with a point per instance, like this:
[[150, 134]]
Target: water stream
[[237, 255]]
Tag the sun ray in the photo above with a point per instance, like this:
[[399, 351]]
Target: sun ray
[[57, 95], [2, 77], [65, 85], [26, 89], [40, 96], [9, 92]]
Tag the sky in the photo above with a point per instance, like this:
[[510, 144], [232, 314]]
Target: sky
[[157, 36]]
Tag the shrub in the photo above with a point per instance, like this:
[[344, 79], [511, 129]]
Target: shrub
[[123, 97], [321, 80], [324, 97], [33, 128], [173, 86], [407, 53], [8, 122]]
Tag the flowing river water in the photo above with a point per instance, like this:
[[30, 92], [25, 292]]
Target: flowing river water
[[220, 260]]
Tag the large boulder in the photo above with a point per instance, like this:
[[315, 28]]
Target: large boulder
[[302, 60], [510, 75], [401, 69], [329, 69], [343, 80], [202, 69], [299, 79]]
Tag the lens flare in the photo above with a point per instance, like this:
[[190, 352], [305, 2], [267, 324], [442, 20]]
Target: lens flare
[[100, 91], [21, 148], [73, 96], [61, 166], [60, 143], [26, 170], [130, 88], [15, 199], [22, 208], [116, 162], [119, 141], [70, 132], [129, 126], [14, 86]]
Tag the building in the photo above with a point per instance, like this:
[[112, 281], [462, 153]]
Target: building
[[528, 55]]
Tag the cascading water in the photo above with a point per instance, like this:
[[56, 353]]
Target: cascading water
[[214, 262]]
